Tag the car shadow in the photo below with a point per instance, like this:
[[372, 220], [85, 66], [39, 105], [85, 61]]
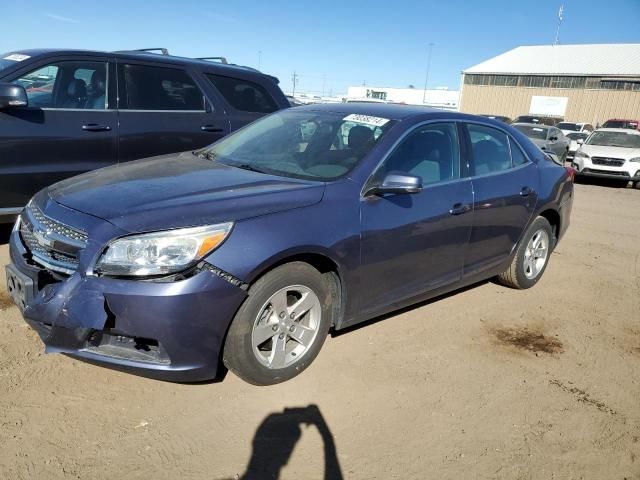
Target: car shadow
[[277, 436]]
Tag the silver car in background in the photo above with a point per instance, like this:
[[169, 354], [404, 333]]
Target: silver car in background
[[549, 139]]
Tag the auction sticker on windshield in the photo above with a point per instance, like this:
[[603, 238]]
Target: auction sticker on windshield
[[366, 119], [16, 57]]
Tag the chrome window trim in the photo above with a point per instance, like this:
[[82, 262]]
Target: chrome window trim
[[11, 210]]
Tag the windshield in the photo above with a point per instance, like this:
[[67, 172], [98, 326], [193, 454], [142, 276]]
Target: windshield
[[614, 139], [577, 136], [10, 59], [301, 144], [533, 132], [568, 126]]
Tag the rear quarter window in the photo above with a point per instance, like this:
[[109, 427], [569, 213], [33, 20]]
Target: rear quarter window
[[244, 95]]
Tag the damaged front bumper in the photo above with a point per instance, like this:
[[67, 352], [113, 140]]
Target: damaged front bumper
[[172, 330]]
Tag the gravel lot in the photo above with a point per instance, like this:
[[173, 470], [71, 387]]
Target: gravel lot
[[485, 383]]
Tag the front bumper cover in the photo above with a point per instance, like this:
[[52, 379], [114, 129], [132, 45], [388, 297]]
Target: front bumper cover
[[174, 330]]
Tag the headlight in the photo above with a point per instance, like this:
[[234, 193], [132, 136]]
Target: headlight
[[581, 154], [635, 159], [161, 253]]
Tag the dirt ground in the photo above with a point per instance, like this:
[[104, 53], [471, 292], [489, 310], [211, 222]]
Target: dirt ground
[[486, 383]]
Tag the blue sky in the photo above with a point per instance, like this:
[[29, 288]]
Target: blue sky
[[382, 43]]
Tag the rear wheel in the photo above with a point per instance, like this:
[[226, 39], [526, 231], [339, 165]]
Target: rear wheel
[[280, 328], [531, 258]]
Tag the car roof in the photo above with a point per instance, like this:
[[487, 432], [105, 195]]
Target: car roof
[[619, 130], [392, 111], [155, 57]]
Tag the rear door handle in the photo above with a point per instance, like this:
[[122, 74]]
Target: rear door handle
[[211, 128], [526, 191], [94, 127], [459, 209]]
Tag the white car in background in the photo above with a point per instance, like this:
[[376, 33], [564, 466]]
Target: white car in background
[[568, 127], [577, 139], [612, 153]]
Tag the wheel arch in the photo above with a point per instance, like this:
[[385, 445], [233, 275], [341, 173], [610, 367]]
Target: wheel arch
[[553, 217]]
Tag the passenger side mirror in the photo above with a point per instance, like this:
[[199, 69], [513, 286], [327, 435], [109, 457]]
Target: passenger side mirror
[[12, 96], [580, 141], [553, 139], [397, 182]]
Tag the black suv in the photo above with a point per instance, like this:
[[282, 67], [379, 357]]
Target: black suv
[[63, 112]]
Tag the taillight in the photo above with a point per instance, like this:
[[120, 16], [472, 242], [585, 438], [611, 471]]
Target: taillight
[[572, 172]]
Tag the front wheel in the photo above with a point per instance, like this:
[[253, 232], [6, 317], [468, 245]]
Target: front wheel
[[531, 258], [281, 326]]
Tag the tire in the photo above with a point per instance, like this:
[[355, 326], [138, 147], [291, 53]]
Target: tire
[[261, 345], [522, 273]]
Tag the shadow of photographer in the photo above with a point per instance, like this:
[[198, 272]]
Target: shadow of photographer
[[276, 437]]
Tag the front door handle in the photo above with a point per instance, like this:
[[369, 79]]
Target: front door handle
[[459, 209], [94, 127], [211, 128], [526, 191]]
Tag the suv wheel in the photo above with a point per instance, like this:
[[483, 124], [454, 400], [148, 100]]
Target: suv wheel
[[531, 258], [281, 326]]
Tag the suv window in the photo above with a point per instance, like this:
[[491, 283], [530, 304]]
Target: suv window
[[244, 95], [517, 157], [490, 149], [430, 152], [67, 85], [159, 88]]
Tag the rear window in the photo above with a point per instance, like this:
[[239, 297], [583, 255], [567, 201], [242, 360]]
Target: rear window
[[568, 126], [244, 95], [537, 133]]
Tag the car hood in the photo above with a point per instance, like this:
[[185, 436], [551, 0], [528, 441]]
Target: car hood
[[180, 190], [606, 151]]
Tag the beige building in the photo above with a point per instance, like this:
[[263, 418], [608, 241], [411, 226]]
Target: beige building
[[580, 83]]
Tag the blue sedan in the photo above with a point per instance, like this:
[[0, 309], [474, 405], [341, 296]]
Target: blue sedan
[[246, 253]]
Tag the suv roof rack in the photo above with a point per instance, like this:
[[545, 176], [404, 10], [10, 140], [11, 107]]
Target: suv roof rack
[[163, 51], [214, 59]]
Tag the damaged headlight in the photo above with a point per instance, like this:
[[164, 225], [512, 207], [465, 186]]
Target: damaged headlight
[[161, 253]]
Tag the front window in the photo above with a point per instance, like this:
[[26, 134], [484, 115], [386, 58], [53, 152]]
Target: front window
[[614, 139], [10, 59], [310, 145], [536, 133], [568, 126]]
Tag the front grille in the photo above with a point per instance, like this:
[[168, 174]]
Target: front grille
[[609, 162], [606, 172], [51, 244]]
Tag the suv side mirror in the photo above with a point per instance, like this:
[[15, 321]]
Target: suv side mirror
[[12, 96], [397, 182], [553, 139]]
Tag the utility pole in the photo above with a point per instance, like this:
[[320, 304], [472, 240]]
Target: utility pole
[[294, 80], [560, 16], [426, 78], [259, 59]]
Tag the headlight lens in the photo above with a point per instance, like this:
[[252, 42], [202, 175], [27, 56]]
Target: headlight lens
[[635, 159], [161, 253], [581, 154]]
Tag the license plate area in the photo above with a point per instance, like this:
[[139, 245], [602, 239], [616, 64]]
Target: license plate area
[[19, 287]]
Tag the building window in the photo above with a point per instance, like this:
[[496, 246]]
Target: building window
[[552, 81]]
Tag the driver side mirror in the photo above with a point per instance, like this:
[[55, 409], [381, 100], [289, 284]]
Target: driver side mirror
[[553, 139], [12, 96], [580, 141], [397, 182]]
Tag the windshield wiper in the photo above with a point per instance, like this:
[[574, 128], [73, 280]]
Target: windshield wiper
[[246, 166]]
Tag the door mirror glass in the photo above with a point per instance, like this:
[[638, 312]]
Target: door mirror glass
[[12, 96], [397, 182]]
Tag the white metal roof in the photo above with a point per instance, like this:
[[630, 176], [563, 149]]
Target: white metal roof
[[620, 59]]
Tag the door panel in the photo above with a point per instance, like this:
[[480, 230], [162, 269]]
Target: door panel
[[163, 110], [505, 189], [65, 130], [412, 243]]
